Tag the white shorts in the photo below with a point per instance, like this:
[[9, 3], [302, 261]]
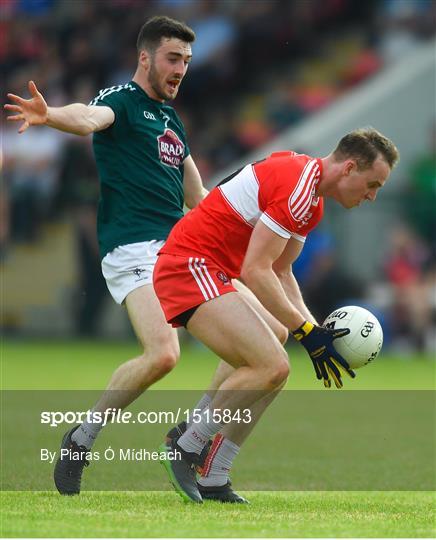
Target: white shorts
[[128, 267]]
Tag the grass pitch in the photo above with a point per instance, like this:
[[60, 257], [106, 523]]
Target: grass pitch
[[300, 514], [76, 365], [79, 365]]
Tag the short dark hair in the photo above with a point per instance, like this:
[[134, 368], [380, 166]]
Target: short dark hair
[[364, 145], [156, 28]]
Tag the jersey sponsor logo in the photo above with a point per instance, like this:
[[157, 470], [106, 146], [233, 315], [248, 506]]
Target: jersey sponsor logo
[[149, 116], [171, 149], [303, 195]]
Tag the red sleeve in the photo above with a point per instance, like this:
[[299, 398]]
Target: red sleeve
[[313, 217], [290, 208]]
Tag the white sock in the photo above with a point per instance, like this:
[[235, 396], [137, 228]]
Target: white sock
[[197, 435], [201, 405], [86, 433], [219, 461]]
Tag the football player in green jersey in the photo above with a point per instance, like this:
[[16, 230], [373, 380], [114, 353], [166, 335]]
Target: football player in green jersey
[[147, 174]]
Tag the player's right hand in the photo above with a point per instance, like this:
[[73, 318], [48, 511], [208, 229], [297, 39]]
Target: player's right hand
[[327, 362], [32, 112]]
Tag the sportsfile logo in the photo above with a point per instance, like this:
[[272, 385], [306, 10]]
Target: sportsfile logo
[[113, 415]]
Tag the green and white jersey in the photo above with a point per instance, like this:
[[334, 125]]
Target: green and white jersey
[[140, 164]]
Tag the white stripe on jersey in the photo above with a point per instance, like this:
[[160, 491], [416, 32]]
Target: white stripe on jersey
[[198, 267], [107, 91], [279, 229], [255, 175], [301, 198], [306, 199], [298, 202], [200, 286], [204, 280], [241, 192], [300, 184], [274, 226], [209, 278], [298, 237]]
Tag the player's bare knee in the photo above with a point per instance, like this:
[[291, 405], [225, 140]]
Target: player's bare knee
[[162, 360], [168, 361], [278, 372], [165, 361]]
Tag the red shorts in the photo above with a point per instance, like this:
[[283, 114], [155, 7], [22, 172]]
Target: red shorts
[[182, 283]]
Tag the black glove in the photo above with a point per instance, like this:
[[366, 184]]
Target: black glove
[[318, 342]]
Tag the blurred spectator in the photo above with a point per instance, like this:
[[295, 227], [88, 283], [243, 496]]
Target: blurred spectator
[[404, 23], [421, 198], [30, 172], [215, 36], [4, 220], [282, 107], [212, 70], [411, 277], [78, 193]]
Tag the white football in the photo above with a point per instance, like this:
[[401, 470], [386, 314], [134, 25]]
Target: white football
[[365, 339]]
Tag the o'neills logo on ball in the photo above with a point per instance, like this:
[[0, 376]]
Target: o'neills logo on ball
[[171, 148]]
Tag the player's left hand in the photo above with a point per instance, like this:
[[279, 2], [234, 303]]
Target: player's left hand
[[327, 362]]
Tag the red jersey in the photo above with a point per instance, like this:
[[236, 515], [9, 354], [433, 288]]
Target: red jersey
[[280, 191]]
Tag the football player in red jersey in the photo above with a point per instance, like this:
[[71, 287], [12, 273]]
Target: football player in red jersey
[[253, 226]]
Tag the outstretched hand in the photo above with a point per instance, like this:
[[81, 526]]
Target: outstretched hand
[[32, 112]]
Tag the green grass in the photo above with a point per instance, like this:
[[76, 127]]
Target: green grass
[[88, 366], [279, 514]]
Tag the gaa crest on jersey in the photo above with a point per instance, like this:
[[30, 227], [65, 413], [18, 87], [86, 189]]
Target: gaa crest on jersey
[[223, 277], [171, 148]]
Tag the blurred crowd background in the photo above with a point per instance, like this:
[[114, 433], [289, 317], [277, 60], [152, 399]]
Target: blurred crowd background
[[259, 69]]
